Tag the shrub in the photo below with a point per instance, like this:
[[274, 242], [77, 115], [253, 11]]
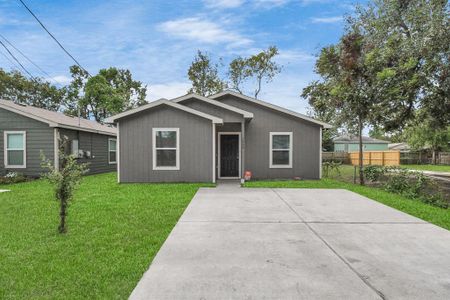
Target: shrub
[[373, 173], [331, 166], [13, 177]]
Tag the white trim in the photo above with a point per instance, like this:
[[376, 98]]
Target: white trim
[[177, 149], [85, 129], [214, 152], [239, 152], [56, 148], [246, 114], [272, 106], [164, 102], [320, 154], [271, 165], [5, 149], [118, 154], [109, 150]]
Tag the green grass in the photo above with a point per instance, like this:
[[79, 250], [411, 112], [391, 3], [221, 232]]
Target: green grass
[[432, 214], [114, 231], [437, 168]]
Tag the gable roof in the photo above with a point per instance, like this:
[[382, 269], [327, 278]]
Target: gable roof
[[163, 102], [271, 106], [246, 114], [57, 119], [351, 139]]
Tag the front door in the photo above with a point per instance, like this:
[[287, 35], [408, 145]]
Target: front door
[[229, 155]]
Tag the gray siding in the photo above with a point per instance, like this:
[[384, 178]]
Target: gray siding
[[39, 136], [97, 144], [136, 146], [306, 142], [224, 114]]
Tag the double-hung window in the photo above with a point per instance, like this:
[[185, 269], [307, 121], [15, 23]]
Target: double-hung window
[[112, 151], [15, 149], [166, 148], [281, 150]]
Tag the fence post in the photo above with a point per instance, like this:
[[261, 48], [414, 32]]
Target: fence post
[[382, 158]]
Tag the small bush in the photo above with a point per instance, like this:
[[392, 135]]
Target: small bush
[[330, 167], [374, 173], [12, 177]]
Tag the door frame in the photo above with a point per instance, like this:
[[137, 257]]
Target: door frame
[[219, 155]]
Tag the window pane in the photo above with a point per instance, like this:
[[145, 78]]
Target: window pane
[[112, 156], [280, 157], [280, 141], [15, 141], [15, 157], [166, 139], [112, 145], [166, 158]]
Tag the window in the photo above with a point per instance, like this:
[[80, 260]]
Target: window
[[75, 148], [281, 149], [15, 149], [112, 151], [166, 148]]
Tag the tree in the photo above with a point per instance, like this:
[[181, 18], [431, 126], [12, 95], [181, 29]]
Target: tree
[[109, 92], [424, 135], [65, 179], [204, 76], [36, 92], [348, 90], [260, 67]]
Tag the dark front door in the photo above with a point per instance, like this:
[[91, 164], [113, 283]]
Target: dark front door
[[229, 155]]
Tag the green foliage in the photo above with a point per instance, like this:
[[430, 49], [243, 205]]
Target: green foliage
[[204, 76], [424, 135], [64, 180], [263, 68], [330, 167], [36, 92], [12, 177], [373, 173], [109, 92]]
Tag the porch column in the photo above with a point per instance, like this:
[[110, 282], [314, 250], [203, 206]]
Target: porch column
[[242, 148]]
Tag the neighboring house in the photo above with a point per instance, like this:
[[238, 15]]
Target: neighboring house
[[349, 143], [25, 131], [197, 139], [403, 147]]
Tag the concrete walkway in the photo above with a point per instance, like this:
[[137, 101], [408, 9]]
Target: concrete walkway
[[234, 243]]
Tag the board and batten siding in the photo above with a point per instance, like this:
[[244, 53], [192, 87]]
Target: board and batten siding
[[97, 144], [306, 142], [39, 136], [136, 155]]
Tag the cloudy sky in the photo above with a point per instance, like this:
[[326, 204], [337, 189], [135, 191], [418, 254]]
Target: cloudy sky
[[157, 40]]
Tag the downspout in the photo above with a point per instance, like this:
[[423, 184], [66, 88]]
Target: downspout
[[320, 153], [214, 152], [56, 148], [242, 149], [118, 153]]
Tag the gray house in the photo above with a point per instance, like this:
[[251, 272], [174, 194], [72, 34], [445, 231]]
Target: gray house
[[25, 131], [197, 139]]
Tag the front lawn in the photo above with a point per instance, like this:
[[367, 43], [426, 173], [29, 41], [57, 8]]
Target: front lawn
[[114, 231], [437, 168], [432, 214]]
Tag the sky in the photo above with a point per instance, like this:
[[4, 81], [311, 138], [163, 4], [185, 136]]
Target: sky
[[157, 40]]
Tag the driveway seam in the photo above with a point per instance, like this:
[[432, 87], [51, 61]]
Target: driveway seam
[[373, 288], [303, 222]]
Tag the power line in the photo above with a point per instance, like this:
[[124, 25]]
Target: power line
[[27, 58], [13, 64], [12, 55], [53, 37]]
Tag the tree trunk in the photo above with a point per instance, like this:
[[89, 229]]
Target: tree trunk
[[433, 159], [62, 216], [361, 155]]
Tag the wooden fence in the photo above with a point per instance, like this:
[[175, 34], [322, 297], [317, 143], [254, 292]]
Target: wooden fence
[[341, 157], [381, 158], [424, 157]]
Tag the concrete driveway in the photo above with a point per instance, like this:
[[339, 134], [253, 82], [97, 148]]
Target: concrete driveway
[[234, 243]]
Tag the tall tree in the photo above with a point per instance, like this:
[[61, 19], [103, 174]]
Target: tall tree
[[109, 92], [36, 92], [204, 76], [260, 67]]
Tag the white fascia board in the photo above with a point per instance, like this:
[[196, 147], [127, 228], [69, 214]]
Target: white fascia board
[[271, 106], [246, 114], [163, 102]]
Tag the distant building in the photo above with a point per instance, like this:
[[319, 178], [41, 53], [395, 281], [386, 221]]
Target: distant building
[[403, 147], [349, 143]]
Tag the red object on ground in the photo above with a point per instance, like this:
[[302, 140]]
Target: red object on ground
[[247, 175]]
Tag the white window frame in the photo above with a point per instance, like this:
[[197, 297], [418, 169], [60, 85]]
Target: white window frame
[[291, 142], [177, 149], [109, 152], [5, 149]]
